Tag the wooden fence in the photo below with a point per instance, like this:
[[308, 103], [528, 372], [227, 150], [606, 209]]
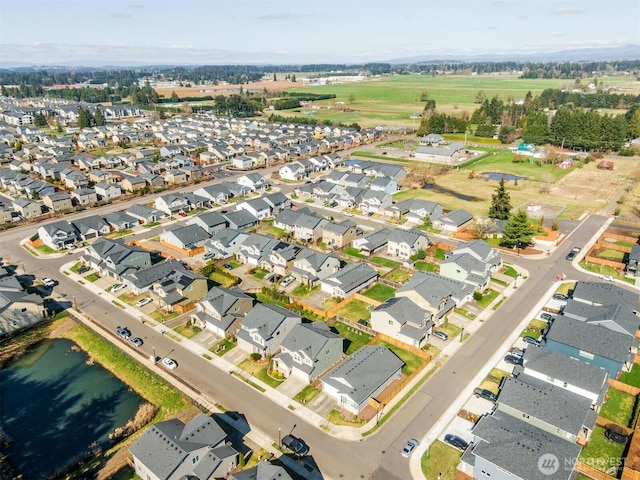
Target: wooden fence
[[418, 352], [623, 387], [590, 471]]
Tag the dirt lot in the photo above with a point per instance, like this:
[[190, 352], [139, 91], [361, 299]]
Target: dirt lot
[[213, 90]]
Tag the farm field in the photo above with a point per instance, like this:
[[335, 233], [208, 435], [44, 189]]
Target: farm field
[[391, 100], [568, 193]]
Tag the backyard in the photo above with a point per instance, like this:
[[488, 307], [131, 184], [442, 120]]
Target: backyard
[[355, 338], [411, 361], [355, 310], [602, 454], [619, 407], [380, 292]]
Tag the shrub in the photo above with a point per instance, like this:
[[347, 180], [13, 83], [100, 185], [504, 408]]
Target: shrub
[[255, 357], [477, 296]]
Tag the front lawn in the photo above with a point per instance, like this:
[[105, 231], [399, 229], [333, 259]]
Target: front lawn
[[600, 453], [619, 407], [411, 361], [45, 249], [160, 316], [130, 299], [450, 329], [307, 394], [487, 298], [337, 418], [92, 277], [259, 273], [380, 292], [151, 224], [303, 291], [355, 338], [510, 271], [534, 329], [222, 347], [385, 262], [118, 234], [278, 232], [398, 276], [355, 310], [440, 461], [187, 330], [493, 380], [259, 370]]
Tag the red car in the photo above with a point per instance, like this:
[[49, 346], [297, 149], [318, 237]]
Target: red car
[[182, 214]]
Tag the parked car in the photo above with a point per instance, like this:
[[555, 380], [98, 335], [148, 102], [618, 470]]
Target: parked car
[[124, 332], [349, 214], [513, 359], [117, 286], [287, 281], [49, 282], [83, 269], [137, 341], [531, 341], [560, 296], [608, 278], [572, 254], [486, 394], [518, 352], [143, 301], [456, 441], [440, 335], [182, 214], [363, 322], [547, 316], [227, 266], [208, 255], [169, 363], [409, 447], [295, 444]]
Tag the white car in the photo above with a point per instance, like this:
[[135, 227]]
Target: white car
[[117, 286], [287, 281], [609, 278], [49, 282], [169, 363], [143, 301]]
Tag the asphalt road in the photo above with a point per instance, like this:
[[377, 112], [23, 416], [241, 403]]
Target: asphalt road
[[377, 456]]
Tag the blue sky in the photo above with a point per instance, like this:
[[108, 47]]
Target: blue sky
[[302, 31]]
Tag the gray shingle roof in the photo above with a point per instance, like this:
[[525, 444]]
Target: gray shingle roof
[[414, 320], [516, 446], [594, 339], [262, 471], [352, 276], [366, 370], [147, 276]]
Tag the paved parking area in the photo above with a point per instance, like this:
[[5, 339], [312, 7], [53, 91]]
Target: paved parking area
[[291, 386], [235, 356], [322, 404], [461, 427]]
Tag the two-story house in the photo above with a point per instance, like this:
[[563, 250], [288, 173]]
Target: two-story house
[[400, 318], [311, 266], [406, 243], [221, 310], [264, 328], [116, 258], [58, 235], [339, 234]]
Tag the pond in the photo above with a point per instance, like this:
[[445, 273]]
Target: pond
[[56, 404], [497, 176]]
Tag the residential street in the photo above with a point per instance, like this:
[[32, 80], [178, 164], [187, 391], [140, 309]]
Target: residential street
[[375, 457]]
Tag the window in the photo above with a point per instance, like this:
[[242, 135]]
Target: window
[[195, 459], [524, 415], [390, 322]]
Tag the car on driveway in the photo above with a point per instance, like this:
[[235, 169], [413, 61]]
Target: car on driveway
[[208, 255], [456, 441], [486, 394], [295, 444], [513, 359], [547, 316], [143, 301], [608, 278], [227, 266], [440, 335], [169, 363], [560, 296], [137, 341], [49, 282], [83, 269], [531, 341], [409, 447], [123, 332], [287, 281], [116, 287]]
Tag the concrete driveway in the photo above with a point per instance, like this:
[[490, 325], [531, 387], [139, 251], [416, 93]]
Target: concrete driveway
[[235, 356], [292, 386], [322, 404]]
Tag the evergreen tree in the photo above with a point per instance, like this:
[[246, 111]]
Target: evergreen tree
[[40, 120], [98, 117], [83, 118], [174, 97], [518, 231], [500, 203]]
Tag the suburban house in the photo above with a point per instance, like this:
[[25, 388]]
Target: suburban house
[[417, 210], [241, 219], [257, 207], [106, 191], [58, 235], [280, 259], [498, 435], [84, 196], [553, 409], [121, 221], [141, 280], [277, 201], [255, 249], [264, 328], [211, 222], [93, 226], [214, 193], [310, 266], [27, 208], [468, 269], [225, 243], [133, 184], [348, 280], [115, 258], [439, 295], [19, 309], [172, 204], [58, 202], [262, 471], [187, 237], [374, 201], [253, 181], [400, 318], [596, 345], [179, 290], [406, 243], [308, 351], [293, 171], [145, 214], [384, 184], [565, 372], [221, 310], [173, 450], [359, 378], [453, 221], [304, 224], [339, 235], [373, 241]]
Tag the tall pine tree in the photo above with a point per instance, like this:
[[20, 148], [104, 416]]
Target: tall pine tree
[[500, 203], [518, 231]]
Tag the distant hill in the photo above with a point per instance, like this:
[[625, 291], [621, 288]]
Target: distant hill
[[624, 52]]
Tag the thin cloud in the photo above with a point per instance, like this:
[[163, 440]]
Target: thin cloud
[[566, 11]]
